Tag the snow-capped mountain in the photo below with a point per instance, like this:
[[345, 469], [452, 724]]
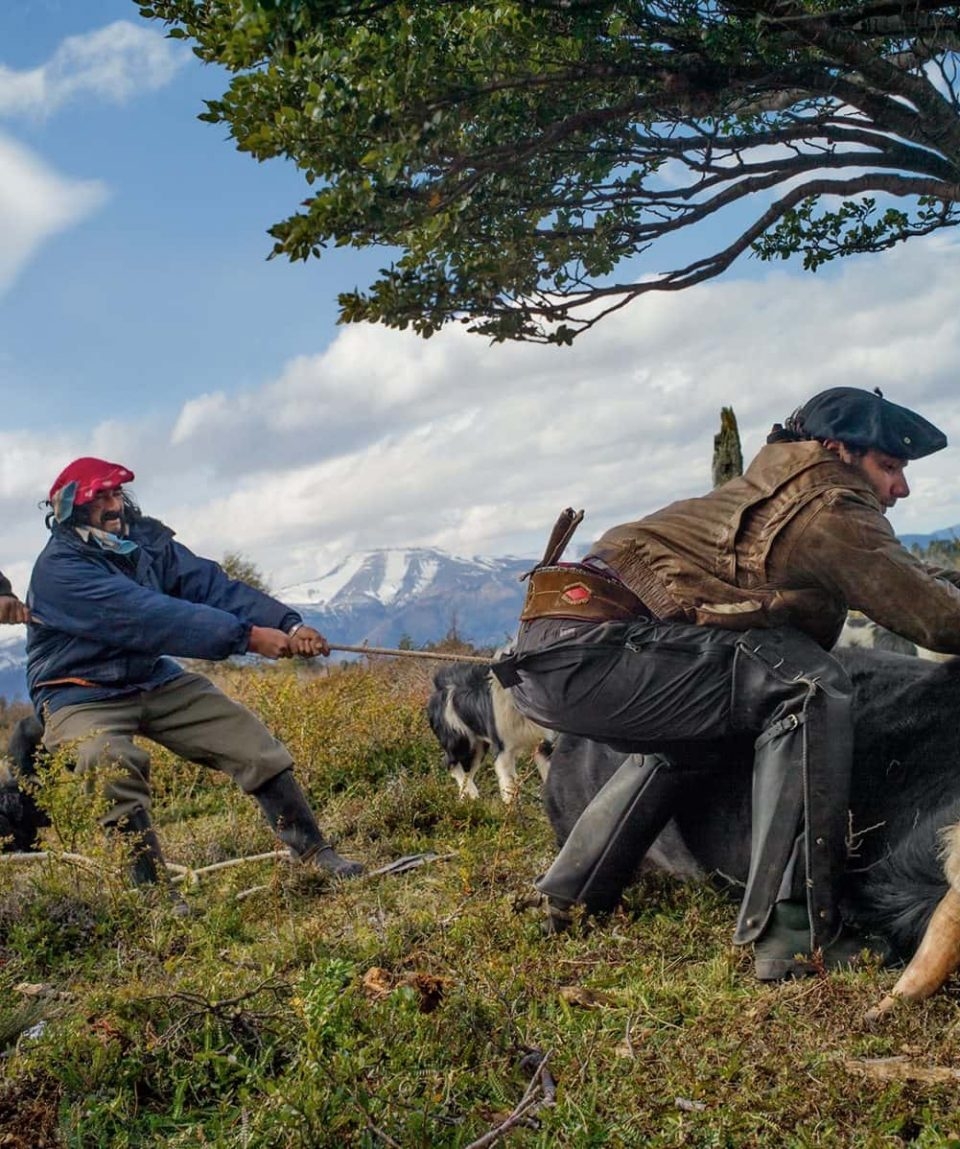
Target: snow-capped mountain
[[381, 596], [13, 661], [378, 598]]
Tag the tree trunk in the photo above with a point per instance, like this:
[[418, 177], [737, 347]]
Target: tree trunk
[[727, 456]]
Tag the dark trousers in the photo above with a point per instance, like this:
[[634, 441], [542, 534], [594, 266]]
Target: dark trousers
[[640, 686]]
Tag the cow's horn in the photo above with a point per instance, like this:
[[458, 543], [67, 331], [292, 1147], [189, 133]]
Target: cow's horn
[[937, 956]]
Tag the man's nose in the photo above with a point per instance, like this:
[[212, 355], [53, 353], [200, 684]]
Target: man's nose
[[901, 488]]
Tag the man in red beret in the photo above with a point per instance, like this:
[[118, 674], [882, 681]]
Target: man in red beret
[[112, 597]]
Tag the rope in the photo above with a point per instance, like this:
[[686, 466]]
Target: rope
[[380, 650], [413, 653]]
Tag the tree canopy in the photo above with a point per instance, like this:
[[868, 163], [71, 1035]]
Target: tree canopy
[[236, 566], [516, 155]]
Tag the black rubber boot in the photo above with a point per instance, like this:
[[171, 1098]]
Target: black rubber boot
[[147, 867], [800, 700], [609, 839], [286, 809], [784, 949]]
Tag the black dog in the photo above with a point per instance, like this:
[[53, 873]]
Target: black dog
[[470, 713], [20, 816]]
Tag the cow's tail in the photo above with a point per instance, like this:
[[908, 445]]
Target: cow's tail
[[897, 895]]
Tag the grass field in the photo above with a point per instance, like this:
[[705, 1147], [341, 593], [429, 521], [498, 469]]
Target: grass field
[[424, 1008]]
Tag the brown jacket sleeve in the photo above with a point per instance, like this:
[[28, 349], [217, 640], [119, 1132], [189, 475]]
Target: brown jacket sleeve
[[847, 546]]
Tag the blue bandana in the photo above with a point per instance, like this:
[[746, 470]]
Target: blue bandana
[[106, 540]]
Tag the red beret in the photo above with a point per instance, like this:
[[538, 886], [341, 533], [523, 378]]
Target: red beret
[[91, 476]]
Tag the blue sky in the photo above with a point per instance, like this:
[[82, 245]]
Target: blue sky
[[140, 320]]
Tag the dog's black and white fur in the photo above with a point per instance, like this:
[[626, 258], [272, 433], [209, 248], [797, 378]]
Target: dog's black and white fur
[[470, 713]]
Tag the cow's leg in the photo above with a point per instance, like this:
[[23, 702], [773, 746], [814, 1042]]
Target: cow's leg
[[670, 855]]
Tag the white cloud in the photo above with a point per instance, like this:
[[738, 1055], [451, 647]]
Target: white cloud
[[35, 204], [384, 439], [113, 63]]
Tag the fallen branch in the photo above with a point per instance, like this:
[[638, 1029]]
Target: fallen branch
[[901, 1069], [184, 873], [42, 855], [398, 866], [192, 877]]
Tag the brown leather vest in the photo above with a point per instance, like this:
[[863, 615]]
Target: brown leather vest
[[723, 559]]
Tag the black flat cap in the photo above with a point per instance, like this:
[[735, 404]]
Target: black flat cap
[[865, 419]]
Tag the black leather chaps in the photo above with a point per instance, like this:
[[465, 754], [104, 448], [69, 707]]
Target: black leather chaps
[[642, 686]]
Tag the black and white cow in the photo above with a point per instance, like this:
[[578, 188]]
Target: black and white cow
[[903, 840], [471, 713]]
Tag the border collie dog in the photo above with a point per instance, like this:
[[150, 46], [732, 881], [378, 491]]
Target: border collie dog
[[471, 713]]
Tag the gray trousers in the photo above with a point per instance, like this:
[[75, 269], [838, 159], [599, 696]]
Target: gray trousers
[[188, 715]]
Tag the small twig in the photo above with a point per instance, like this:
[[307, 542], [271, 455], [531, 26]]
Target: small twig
[[384, 1137], [41, 855], [899, 1068], [244, 894], [541, 1082], [180, 873], [626, 1038], [193, 876], [409, 862]]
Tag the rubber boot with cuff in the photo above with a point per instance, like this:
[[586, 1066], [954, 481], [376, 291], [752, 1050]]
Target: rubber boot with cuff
[[286, 809], [147, 867], [609, 839], [783, 951]]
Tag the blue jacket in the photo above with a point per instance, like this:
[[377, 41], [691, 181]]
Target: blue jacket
[[110, 620]]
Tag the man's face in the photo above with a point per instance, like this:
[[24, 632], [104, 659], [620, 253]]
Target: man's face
[[104, 512], [884, 473]]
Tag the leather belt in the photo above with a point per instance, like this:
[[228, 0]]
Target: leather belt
[[573, 590]]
